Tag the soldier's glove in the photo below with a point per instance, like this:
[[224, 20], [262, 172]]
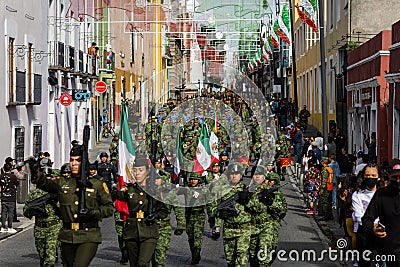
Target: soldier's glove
[[178, 232], [244, 197], [211, 221], [88, 214], [151, 218]]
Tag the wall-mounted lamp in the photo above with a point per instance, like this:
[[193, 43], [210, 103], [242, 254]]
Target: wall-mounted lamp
[[122, 55]]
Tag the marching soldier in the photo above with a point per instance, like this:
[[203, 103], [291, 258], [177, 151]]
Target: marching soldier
[[107, 171], [282, 151], [237, 232], [259, 204], [278, 210], [167, 195], [214, 180], [45, 208], [114, 151], [80, 235], [141, 228], [195, 216]]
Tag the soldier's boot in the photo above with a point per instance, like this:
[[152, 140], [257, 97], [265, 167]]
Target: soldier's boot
[[216, 232], [196, 257], [124, 256]]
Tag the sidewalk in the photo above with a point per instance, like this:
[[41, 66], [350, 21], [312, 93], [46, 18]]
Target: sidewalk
[[331, 230], [24, 223]]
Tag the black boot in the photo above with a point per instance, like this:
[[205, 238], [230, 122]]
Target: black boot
[[196, 257], [124, 257]]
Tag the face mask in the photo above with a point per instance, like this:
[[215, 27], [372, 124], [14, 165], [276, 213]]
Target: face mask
[[370, 182]]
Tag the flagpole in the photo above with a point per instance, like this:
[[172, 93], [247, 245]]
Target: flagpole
[[323, 72], [294, 68]]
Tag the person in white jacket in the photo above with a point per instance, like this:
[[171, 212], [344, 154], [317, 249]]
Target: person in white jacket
[[369, 178]]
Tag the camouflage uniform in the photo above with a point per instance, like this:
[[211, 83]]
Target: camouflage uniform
[[114, 152], [46, 229], [195, 218], [119, 228], [282, 151], [164, 226], [237, 231], [325, 195]]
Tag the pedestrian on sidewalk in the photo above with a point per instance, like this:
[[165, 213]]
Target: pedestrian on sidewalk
[[336, 173], [385, 205], [325, 191], [8, 195], [312, 183], [368, 181]]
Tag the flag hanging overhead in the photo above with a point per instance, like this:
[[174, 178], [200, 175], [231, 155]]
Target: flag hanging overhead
[[273, 38], [203, 158], [309, 15], [126, 158], [283, 24]]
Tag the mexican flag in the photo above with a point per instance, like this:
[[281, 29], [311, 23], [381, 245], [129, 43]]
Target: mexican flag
[[126, 158], [309, 15], [265, 54], [179, 156], [273, 38], [214, 140], [203, 158], [284, 25]]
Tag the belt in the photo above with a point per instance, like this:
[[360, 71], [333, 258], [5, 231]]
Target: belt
[[81, 226], [236, 225], [259, 221], [47, 224]]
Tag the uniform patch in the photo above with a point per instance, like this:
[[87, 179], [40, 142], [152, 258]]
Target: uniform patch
[[106, 188]]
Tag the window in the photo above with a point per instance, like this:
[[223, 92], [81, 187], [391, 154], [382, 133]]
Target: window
[[37, 139], [60, 54], [80, 67], [30, 89], [20, 88], [11, 69], [331, 85], [71, 57], [331, 14], [19, 144], [37, 88]]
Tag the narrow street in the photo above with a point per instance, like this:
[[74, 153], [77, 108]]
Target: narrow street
[[299, 232]]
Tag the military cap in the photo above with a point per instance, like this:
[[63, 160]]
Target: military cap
[[93, 165], [141, 162], [194, 176], [216, 164], [65, 168], [273, 177], [260, 170], [76, 150], [235, 168], [269, 162]]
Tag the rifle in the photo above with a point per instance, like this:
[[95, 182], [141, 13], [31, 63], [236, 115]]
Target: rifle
[[228, 207], [37, 207], [84, 173], [265, 196], [150, 183]]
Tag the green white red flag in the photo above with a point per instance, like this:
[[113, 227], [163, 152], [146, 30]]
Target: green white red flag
[[214, 140], [126, 157], [283, 24], [203, 158], [273, 38], [309, 15]]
